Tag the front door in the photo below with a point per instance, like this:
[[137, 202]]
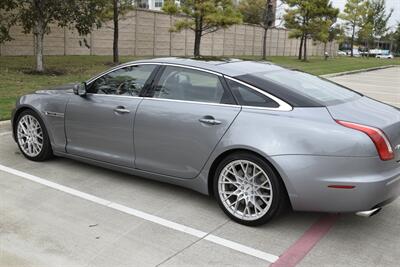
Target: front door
[[178, 128], [100, 125]]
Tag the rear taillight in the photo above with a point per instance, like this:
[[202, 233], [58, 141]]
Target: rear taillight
[[379, 138]]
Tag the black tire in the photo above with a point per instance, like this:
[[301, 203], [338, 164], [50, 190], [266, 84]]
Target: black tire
[[46, 151], [279, 199]]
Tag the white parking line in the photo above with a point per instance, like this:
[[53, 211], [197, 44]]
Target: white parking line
[[5, 133], [145, 216]]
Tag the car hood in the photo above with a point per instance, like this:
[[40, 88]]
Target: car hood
[[373, 113], [61, 89]]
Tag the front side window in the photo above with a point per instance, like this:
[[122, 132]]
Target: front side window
[[180, 83], [128, 81], [249, 97]]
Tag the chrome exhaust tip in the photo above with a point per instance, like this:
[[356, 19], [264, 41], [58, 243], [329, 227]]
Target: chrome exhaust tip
[[368, 213]]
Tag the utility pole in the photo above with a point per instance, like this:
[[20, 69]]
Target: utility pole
[[269, 18]]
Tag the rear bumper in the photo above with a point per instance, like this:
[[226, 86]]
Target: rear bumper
[[376, 183]]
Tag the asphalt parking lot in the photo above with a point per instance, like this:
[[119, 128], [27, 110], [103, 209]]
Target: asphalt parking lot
[[65, 213], [383, 85]]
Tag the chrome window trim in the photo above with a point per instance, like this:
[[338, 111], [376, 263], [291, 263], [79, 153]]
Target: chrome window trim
[[125, 96], [191, 67], [165, 99], [283, 106], [191, 102], [130, 64]]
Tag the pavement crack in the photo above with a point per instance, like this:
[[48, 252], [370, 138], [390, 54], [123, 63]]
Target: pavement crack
[[193, 243]]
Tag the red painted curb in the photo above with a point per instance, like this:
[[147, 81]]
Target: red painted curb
[[295, 253]]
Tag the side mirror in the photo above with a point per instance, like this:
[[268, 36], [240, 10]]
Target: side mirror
[[80, 89]]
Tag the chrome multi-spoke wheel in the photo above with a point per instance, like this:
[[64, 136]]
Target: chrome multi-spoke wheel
[[245, 190], [30, 135], [248, 189]]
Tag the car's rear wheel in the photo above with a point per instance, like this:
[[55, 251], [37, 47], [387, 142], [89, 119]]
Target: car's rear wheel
[[247, 189], [32, 137]]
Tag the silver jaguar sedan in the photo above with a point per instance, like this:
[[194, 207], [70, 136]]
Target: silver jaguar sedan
[[256, 136]]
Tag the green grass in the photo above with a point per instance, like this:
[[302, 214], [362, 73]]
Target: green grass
[[15, 82]]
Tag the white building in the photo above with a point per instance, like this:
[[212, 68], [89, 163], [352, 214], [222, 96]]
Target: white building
[[152, 4]]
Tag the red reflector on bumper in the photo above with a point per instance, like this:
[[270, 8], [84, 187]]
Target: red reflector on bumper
[[336, 186]]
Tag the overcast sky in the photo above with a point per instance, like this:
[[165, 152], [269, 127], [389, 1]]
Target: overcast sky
[[395, 4]]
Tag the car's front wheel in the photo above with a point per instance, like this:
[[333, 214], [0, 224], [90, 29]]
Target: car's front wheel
[[247, 189], [32, 137]]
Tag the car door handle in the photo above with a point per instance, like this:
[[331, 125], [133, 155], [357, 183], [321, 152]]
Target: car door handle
[[122, 110], [210, 121]]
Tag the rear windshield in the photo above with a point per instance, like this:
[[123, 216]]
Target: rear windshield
[[310, 86]]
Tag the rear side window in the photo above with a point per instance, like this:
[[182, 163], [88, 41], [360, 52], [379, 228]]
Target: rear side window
[[249, 97], [310, 86], [181, 83]]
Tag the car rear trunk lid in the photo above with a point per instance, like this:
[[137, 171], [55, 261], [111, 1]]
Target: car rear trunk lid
[[373, 113]]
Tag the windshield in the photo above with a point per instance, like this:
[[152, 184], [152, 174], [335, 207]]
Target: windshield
[[320, 90]]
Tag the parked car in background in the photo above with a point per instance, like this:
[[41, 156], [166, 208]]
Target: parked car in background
[[356, 53], [388, 56], [341, 53], [254, 135]]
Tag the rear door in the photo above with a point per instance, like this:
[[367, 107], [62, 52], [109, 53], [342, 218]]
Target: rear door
[[179, 126]]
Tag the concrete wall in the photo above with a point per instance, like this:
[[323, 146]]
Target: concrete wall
[[146, 33]]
